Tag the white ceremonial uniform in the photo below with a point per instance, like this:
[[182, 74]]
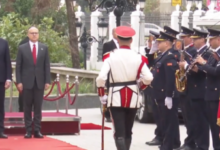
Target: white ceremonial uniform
[[124, 66]]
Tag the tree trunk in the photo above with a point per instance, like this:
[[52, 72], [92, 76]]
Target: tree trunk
[[73, 39]]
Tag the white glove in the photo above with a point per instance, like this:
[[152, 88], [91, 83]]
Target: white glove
[[103, 99], [139, 81], [154, 47], [169, 102]]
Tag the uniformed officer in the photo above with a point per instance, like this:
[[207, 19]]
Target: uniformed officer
[[185, 104], [124, 95], [152, 50], [164, 89], [176, 54], [196, 91], [212, 89], [157, 140], [173, 33]]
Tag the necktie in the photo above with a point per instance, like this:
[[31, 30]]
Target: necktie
[[34, 53]]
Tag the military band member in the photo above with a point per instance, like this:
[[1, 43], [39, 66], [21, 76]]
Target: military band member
[[123, 98], [185, 104], [197, 91], [164, 89], [108, 47], [212, 89], [157, 140]]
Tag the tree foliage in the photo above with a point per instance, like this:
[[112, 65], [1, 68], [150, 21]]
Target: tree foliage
[[151, 5], [13, 28]]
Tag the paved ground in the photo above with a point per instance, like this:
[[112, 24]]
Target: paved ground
[[90, 139]]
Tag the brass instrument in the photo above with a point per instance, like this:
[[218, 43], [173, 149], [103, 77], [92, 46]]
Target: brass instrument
[[180, 84]]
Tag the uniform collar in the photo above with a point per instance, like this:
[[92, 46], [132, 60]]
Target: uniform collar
[[125, 47], [188, 46]]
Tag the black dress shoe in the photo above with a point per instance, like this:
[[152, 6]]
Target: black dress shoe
[[184, 147], [108, 120], [3, 136], [28, 135], [154, 142], [37, 134]]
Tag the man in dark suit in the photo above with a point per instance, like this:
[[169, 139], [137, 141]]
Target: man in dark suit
[[5, 80], [111, 45], [107, 47], [33, 77], [20, 100]]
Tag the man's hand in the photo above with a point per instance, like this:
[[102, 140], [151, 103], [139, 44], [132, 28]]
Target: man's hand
[[169, 102], [103, 99], [195, 68], [154, 47], [182, 64], [7, 84], [20, 87], [46, 86], [200, 60]]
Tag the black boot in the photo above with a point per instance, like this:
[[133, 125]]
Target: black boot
[[128, 143], [120, 143]]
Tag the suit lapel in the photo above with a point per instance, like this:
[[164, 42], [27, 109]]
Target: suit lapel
[[29, 52], [40, 50]]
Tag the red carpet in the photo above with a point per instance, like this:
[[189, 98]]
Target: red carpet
[[19, 143], [91, 126]]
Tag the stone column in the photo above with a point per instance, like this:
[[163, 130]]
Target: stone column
[[197, 14], [185, 16], [94, 32], [112, 24], [175, 19], [137, 23]]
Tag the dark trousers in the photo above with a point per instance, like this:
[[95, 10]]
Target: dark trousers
[[169, 121], [156, 114], [201, 123], [186, 108], [20, 103], [33, 98], [107, 114], [212, 110], [123, 120], [2, 106]]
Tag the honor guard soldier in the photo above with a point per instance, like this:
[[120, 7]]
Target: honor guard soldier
[[185, 104], [212, 89], [151, 55], [164, 89], [196, 90], [128, 72]]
